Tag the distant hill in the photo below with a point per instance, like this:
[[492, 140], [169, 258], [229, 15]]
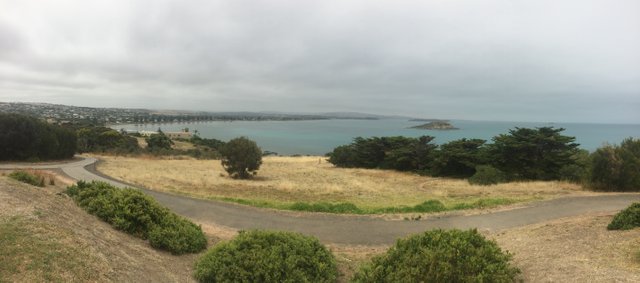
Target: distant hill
[[67, 114]]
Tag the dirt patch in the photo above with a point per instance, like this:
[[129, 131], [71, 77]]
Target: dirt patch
[[575, 249], [113, 255]]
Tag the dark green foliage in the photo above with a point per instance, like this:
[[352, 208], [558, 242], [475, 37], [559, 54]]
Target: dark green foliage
[[399, 153], [627, 219], [266, 256], [158, 141], [132, 211], [241, 157], [101, 139], [577, 172], [27, 138], [459, 158], [533, 154], [616, 168], [177, 235], [26, 177], [441, 256], [487, 175], [210, 143]]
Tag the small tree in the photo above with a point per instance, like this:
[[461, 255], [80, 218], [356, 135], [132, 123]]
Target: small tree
[[159, 141], [241, 157]]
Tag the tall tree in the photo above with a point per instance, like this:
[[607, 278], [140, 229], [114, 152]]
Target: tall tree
[[533, 154]]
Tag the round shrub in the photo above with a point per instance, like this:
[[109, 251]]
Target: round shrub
[[267, 256], [627, 219], [441, 256], [487, 175], [178, 236]]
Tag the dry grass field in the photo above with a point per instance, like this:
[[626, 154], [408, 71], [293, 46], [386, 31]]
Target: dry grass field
[[282, 181]]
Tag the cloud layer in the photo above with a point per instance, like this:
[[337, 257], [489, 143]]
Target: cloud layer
[[531, 60]]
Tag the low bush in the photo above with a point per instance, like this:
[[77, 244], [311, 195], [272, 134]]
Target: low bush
[[484, 203], [267, 256], [487, 175], [342, 207], [441, 256], [427, 206], [627, 219], [26, 177], [177, 234], [132, 211]]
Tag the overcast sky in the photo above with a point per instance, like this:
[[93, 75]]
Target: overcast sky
[[535, 60]]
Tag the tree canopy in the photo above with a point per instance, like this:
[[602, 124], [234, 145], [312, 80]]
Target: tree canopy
[[27, 138], [241, 158], [533, 154]]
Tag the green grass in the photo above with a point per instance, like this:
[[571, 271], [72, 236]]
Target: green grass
[[429, 206], [34, 251]]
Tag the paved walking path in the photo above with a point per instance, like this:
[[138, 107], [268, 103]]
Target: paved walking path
[[348, 229]]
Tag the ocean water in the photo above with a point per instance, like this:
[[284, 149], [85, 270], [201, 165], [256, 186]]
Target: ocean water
[[318, 137]]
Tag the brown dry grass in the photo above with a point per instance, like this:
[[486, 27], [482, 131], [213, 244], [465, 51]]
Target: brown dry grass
[[285, 180], [575, 249]]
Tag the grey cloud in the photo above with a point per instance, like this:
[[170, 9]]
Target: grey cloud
[[493, 59]]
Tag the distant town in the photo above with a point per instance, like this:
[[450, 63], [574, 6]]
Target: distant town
[[65, 114]]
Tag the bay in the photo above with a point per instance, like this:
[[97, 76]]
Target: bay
[[317, 137]]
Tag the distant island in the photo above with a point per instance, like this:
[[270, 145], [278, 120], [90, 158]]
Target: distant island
[[427, 120], [435, 125]]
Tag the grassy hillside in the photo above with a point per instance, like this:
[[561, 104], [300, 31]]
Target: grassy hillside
[[44, 236]]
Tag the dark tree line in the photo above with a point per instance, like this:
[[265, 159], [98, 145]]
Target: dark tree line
[[522, 154], [101, 139], [27, 138]]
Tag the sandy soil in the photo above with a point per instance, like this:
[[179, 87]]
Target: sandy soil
[[575, 249]]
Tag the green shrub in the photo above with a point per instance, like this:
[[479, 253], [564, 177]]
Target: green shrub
[[487, 175], [342, 207], [430, 206], [178, 235], [26, 177], [616, 168], [627, 219], [267, 256], [134, 212], [441, 256]]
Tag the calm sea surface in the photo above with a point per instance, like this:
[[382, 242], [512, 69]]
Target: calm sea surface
[[321, 136]]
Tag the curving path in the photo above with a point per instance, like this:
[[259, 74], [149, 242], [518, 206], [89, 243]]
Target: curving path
[[347, 229]]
